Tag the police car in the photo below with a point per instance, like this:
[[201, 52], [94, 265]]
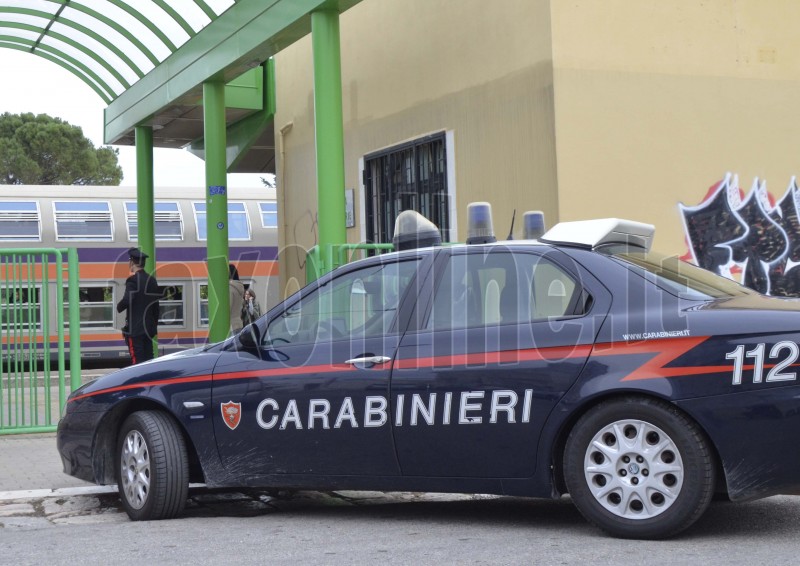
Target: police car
[[580, 362]]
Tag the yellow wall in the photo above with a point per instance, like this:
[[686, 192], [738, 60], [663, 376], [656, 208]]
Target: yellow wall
[[656, 100], [581, 108], [480, 70]]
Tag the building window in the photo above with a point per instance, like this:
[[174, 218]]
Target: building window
[[86, 220], [238, 221], [269, 214], [168, 221], [171, 306], [20, 221], [96, 307], [411, 176], [19, 307]]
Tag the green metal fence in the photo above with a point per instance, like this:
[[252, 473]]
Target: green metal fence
[[33, 386]]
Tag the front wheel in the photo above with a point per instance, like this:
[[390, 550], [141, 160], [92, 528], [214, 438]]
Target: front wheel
[[639, 468], [153, 470]]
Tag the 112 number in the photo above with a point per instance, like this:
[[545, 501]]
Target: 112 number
[[776, 372]]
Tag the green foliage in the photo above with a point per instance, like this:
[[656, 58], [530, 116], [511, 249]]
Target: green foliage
[[42, 150]]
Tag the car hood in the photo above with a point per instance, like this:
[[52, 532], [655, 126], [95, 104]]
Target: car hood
[[184, 364]]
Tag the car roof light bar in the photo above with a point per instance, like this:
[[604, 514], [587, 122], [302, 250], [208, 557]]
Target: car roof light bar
[[533, 224], [479, 220], [594, 233], [412, 230]]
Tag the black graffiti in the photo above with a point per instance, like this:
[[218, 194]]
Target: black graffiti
[[760, 239]]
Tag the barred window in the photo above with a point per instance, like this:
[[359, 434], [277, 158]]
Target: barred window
[[411, 176]]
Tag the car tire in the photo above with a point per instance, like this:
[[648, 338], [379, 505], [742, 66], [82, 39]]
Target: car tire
[[639, 468], [152, 467]]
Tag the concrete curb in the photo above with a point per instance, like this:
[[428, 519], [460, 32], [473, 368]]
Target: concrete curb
[[22, 494]]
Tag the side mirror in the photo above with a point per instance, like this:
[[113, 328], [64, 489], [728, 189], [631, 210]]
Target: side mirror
[[250, 337]]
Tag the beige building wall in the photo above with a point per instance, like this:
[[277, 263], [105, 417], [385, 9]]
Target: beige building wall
[[583, 109], [656, 100], [481, 71]]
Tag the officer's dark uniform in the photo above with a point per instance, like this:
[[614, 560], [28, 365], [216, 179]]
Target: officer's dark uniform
[[141, 301]]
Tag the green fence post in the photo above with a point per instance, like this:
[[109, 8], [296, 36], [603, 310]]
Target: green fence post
[[73, 280], [62, 395]]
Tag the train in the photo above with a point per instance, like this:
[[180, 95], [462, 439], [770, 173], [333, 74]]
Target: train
[[100, 223]]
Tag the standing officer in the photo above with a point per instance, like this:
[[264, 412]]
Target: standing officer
[[141, 301]]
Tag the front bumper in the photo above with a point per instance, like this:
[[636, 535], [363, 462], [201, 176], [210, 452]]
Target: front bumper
[[75, 441]]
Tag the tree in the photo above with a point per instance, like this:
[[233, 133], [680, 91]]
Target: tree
[[42, 150]]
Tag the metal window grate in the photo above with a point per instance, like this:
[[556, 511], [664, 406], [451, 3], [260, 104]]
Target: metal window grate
[[167, 217], [411, 176], [20, 221], [83, 220]]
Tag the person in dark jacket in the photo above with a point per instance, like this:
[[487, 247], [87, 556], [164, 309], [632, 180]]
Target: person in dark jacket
[[140, 300]]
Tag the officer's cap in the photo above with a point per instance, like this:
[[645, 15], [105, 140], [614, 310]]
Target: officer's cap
[[137, 256]]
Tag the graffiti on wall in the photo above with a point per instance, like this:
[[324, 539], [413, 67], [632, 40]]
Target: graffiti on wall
[[750, 237]]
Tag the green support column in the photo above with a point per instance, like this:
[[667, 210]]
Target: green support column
[[145, 200], [219, 307], [329, 132]]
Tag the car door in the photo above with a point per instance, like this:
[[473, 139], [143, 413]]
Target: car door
[[314, 398], [505, 336]]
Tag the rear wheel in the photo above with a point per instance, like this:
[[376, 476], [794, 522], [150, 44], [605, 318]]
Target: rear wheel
[[153, 470], [639, 468]]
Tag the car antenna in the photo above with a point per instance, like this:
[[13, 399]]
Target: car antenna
[[511, 232]]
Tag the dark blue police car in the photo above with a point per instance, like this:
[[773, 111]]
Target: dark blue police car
[[577, 363]]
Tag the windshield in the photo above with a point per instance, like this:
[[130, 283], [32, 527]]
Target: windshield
[[679, 277]]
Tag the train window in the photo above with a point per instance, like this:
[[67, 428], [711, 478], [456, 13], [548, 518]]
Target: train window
[[202, 306], [269, 214], [20, 306], [171, 306], [96, 306], [238, 221], [20, 221], [202, 301], [168, 221], [83, 220]]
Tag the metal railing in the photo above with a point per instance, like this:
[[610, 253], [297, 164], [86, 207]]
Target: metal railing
[[33, 386]]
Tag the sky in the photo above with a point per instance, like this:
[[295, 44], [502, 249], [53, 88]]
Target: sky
[[33, 84]]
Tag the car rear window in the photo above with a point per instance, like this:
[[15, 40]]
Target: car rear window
[[679, 277]]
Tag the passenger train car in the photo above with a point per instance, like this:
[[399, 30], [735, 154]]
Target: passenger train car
[[100, 222]]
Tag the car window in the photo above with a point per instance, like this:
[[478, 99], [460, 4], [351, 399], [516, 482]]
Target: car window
[[679, 277], [358, 304], [500, 287]]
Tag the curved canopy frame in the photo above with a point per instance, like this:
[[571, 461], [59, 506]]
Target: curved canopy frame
[[108, 44]]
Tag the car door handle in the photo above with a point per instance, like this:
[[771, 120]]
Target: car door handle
[[369, 360]]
